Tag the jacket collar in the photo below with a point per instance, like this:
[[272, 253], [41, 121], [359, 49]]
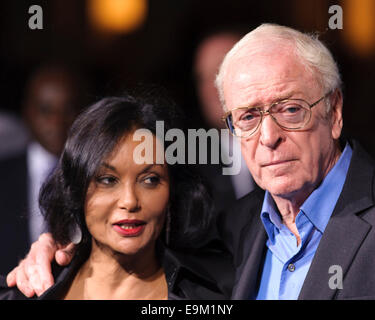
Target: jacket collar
[[253, 245], [346, 230], [205, 266]]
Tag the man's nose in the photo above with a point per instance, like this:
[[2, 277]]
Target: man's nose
[[128, 198], [270, 132]]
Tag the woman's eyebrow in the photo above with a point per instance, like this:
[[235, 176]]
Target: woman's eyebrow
[[108, 166], [150, 166], [147, 168]]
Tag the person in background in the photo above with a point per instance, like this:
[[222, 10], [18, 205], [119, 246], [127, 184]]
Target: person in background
[[208, 57], [13, 135], [51, 102]]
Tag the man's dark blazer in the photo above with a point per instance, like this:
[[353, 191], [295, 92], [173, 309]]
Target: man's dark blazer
[[221, 186], [14, 233], [348, 240]]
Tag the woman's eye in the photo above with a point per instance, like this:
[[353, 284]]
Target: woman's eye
[[106, 180], [151, 180]]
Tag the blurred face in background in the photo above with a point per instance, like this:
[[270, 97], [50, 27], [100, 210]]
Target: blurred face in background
[[50, 108], [209, 56]]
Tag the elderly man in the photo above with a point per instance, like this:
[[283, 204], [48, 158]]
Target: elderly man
[[307, 233]]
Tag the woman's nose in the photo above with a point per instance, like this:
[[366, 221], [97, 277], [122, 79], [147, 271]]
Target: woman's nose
[[128, 199]]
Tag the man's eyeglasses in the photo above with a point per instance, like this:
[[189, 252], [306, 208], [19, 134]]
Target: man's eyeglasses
[[289, 114]]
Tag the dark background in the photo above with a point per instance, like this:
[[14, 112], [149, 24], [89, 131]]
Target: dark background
[[161, 50]]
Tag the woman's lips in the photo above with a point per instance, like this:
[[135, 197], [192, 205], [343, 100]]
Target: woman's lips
[[129, 228]]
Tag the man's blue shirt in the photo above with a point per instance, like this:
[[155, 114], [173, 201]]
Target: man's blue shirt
[[286, 265]]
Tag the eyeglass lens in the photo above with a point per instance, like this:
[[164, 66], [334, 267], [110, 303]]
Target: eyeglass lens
[[290, 114]]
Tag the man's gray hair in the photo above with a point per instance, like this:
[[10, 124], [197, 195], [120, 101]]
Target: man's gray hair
[[312, 52]]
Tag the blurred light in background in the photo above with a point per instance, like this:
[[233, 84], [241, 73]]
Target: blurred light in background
[[359, 25], [117, 16]]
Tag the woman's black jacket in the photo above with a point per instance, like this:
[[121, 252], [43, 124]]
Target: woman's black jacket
[[201, 274]]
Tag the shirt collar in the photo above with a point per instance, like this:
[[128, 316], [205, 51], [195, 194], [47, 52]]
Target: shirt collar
[[319, 206], [39, 159], [270, 216]]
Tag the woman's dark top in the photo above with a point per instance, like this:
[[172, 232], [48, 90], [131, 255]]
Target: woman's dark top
[[204, 274]]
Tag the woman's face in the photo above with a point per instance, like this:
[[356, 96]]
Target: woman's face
[[126, 202]]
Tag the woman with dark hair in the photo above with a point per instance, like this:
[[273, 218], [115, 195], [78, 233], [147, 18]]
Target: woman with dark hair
[[133, 222]]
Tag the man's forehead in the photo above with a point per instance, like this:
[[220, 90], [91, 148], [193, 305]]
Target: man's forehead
[[263, 94], [261, 63], [264, 78]]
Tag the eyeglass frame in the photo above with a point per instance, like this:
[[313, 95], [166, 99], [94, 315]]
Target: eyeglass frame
[[265, 112]]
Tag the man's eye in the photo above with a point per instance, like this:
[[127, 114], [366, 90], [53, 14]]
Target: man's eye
[[292, 109], [247, 116]]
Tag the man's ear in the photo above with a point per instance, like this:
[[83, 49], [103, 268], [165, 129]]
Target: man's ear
[[335, 114]]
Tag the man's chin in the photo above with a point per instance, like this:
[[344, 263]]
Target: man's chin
[[282, 187]]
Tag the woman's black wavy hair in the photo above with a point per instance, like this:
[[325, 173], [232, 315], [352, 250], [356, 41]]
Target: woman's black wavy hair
[[93, 135]]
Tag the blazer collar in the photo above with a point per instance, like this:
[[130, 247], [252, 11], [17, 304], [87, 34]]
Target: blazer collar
[[253, 246], [346, 230]]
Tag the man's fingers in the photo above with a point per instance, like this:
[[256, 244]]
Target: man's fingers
[[40, 274], [39, 280], [49, 246], [34, 279], [64, 255], [11, 278], [33, 274], [23, 282], [38, 263]]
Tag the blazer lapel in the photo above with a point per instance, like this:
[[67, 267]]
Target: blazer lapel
[[345, 231], [246, 283], [253, 244], [339, 244]]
